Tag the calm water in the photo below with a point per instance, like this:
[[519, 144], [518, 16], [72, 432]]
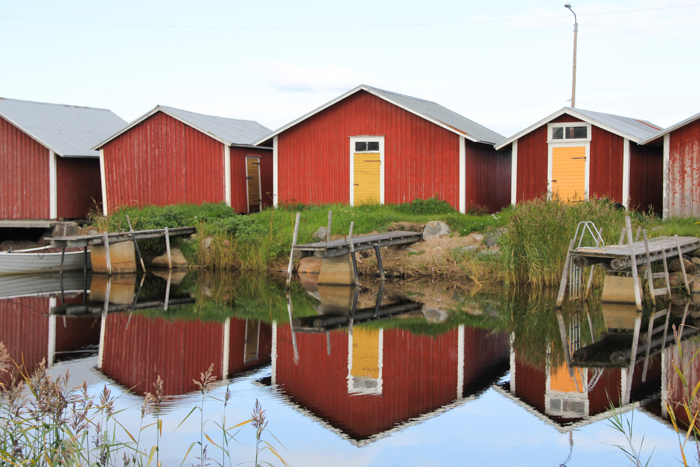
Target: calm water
[[425, 374]]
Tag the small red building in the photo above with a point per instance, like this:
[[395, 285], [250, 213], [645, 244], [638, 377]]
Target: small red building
[[171, 156], [579, 153], [371, 145], [137, 349], [49, 169], [681, 169], [365, 381]]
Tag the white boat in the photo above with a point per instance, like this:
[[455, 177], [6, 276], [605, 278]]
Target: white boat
[[43, 285], [42, 259]]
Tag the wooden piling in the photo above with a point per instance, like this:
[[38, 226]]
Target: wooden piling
[[167, 247], [291, 253], [136, 245], [109, 263], [565, 274], [680, 258], [633, 260], [352, 254], [328, 229]]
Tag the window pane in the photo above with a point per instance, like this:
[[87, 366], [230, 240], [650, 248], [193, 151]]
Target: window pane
[[373, 146], [580, 132], [558, 133], [361, 146]]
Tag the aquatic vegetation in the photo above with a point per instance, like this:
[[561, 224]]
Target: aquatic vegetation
[[44, 422]]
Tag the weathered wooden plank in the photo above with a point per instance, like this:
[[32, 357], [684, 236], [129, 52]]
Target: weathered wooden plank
[[116, 237]]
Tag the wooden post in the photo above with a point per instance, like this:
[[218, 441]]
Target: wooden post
[[680, 258], [633, 260], [379, 262], [136, 245], [167, 247], [564, 275], [291, 253], [85, 255], [167, 289], [622, 235], [109, 263], [352, 253], [650, 274], [668, 279], [328, 229], [63, 254]]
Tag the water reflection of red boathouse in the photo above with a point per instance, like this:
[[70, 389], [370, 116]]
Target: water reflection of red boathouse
[[417, 374], [138, 349], [32, 335]]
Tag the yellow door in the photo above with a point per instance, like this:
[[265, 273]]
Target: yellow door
[[253, 176], [367, 175], [569, 172], [365, 353]]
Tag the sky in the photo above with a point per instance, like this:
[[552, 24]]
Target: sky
[[505, 65]]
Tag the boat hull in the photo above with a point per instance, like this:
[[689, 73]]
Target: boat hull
[[41, 260]]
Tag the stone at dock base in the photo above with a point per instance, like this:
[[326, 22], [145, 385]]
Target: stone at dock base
[[122, 257], [619, 316], [121, 288], [619, 289], [337, 271], [176, 257]]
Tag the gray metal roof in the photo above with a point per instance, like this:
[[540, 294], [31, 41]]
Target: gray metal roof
[[634, 129], [428, 110], [67, 130], [671, 128], [230, 131]]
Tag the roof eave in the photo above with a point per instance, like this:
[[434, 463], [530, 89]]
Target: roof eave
[[672, 128]]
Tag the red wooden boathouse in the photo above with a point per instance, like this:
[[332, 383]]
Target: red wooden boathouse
[[137, 349], [371, 145], [365, 381], [171, 156], [50, 170], [579, 153], [681, 170]]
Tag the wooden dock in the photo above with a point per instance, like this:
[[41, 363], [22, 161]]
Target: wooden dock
[[342, 246], [125, 261], [622, 259]]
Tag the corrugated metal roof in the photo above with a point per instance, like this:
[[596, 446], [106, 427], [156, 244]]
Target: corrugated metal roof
[[68, 130], [634, 129], [428, 110], [230, 131], [671, 128]]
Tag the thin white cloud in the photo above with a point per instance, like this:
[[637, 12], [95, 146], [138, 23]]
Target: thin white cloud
[[290, 77]]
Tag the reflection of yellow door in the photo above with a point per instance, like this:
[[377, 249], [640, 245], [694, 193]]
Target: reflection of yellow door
[[365, 353], [569, 172], [367, 175], [253, 176], [562, 381]]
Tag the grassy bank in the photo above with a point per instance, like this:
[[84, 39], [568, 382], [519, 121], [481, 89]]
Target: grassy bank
[[532, 250], [255, 242]]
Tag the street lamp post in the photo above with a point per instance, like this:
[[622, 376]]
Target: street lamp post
[[573, 81]]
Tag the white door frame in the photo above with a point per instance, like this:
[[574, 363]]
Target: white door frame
[[562, 143], [353, 140]]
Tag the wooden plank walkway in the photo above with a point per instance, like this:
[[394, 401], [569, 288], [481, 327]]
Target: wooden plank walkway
[[618, 256], [116, 237], [342, 246]]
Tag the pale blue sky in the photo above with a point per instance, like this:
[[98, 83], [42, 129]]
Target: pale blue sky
[[503, 64]]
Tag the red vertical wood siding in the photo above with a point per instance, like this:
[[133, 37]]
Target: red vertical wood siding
[[239, 184], [24, 329], [488, 177], [605, 166], [421, 158], [646, 177], [419, 376], [532, 165], [75, 333], [177, 351], [683, 188], [24, 178], [79, 188], [162, 161]]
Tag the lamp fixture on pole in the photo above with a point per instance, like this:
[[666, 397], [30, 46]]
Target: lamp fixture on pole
[[573, 81]]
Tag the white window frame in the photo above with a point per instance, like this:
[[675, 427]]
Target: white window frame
[[357, 139], [572, 142]]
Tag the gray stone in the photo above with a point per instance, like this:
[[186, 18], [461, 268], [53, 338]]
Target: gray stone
[[320, 234], [434, 229], [695, 287], [468, 249], [177, 258], [435, 315], [675, 265], [477, 237], [65, 229]]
